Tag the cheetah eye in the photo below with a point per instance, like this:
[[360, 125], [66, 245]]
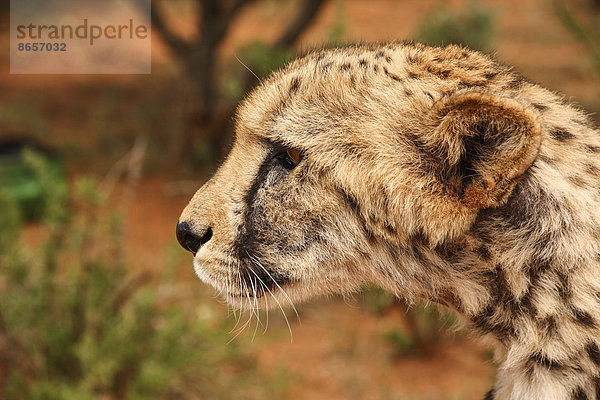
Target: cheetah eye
[[289, 158]]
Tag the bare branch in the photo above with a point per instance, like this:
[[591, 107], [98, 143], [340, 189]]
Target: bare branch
[[222, 26], [237, 5], [308, 10], [175, 43]]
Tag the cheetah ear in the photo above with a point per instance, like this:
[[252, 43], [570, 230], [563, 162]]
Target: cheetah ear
[[486, 143]]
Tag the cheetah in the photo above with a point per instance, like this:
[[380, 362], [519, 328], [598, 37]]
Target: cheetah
[[434, 173]]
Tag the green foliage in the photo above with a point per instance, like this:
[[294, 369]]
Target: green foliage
[[76, 324], [264, 58], [19, 181], [473, 27]]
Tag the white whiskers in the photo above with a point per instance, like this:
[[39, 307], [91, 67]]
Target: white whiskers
[[252, 288]]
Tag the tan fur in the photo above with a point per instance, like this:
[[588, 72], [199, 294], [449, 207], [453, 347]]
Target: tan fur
[[435, 173]]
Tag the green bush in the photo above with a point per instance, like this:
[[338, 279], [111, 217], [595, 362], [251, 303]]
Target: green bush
[[473, 27], [19, 181], [76, 323]]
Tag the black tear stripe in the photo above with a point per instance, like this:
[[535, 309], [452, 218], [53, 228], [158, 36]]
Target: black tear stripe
[[249, 236], [490, 395]]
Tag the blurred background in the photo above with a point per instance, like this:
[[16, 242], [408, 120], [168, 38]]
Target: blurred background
[[97, 301]]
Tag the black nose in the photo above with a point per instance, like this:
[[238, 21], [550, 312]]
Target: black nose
[[190, 240]]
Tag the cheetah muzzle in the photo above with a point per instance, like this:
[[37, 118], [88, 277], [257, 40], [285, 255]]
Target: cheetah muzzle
[[435, 173]]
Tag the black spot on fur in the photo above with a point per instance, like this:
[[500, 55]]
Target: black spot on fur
[[489, 395], [498, 286], [490, 75], [345, 67], [375, 68], [351, 201], [579, 394], [419, 242], [388, 59], [548, 325], [363, 63], [429, 95], [413, 58], [487, 323], [577, 181], [413, 75], [592, 169], [294, 86], [450, 299], [483, 252], [379, 54], [583, 317], [354, 206], [546, 363], [393, 76], [390, 229], [561, 134], [471, 84], [593, 352], [450, 251], [516, 83], [325, 67], [564, 287], [548, 160], [540, 107], [592, 148], [442, 73], [408, 92]]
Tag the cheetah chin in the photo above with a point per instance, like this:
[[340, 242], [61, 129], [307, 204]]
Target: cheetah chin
[[435, 173]]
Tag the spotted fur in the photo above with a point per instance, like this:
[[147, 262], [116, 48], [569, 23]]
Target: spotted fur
[[436, 173]]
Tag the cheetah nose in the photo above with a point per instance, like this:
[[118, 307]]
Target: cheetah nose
[[190, 240]]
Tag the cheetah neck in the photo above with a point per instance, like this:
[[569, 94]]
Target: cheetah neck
[[519, 281]]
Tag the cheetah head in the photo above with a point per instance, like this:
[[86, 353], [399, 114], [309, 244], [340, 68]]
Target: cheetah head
[[344, 160]]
